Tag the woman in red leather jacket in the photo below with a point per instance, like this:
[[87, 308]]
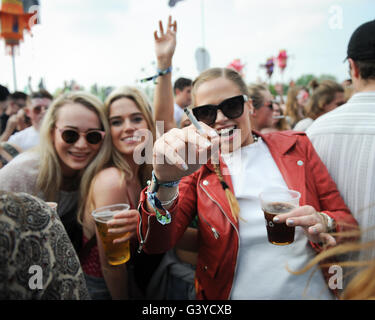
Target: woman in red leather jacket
[[235, 260]]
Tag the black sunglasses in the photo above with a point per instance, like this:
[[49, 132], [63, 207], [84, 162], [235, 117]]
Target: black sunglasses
[[232, 108], [71, 136]]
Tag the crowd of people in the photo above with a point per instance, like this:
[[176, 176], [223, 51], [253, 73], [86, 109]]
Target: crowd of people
[[195, 223]]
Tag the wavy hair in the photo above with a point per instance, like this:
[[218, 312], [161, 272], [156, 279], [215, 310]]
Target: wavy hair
[[50, 175], [117, 160], [141, 101]]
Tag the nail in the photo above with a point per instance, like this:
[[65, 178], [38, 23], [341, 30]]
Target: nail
[[184, 166], [290, 222], [213, 134], [276, 219], [314, 230]]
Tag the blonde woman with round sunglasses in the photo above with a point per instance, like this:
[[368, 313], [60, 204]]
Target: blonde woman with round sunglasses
[[74, 142]]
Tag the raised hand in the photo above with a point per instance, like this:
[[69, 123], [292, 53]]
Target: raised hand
[[165, 43]]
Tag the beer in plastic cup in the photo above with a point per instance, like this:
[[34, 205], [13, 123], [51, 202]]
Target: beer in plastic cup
[[116, 253]]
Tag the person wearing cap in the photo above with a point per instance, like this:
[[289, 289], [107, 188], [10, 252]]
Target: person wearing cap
[[345, 137]]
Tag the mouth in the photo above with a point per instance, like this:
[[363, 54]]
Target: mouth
[[79, 156], [131, 139], [226, 132]]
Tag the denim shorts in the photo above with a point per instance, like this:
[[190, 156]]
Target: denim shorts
[[97, 288]]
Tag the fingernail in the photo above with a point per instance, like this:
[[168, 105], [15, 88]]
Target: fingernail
[[184, 166], [276, 219], [213, 134], [314, 230], [207, 143], [290, 222]]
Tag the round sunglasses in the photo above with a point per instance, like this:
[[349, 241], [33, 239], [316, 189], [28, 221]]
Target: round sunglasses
[[232, 108], [71, 136]]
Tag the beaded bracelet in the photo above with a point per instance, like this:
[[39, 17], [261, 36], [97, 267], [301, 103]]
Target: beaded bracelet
[[159, 73]]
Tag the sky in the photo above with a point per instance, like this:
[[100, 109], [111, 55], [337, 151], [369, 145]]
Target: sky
[[111, 43]]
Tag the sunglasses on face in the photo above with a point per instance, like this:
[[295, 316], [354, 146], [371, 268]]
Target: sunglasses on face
[[232, 108], [71, 136]]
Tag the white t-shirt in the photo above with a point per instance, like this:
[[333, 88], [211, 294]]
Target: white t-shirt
[[261, 267], [26, 138]]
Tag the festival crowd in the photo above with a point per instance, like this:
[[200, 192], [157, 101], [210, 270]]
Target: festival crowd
[[194, 224]]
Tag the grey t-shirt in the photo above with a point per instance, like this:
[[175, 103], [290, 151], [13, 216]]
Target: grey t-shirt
[[20, 175]]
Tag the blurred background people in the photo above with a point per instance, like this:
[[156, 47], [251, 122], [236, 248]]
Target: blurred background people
[[16, 102], [295, 104], [261, 114], [326, 96], [35, 110], [4, 94], [279, 122], [182, 92]]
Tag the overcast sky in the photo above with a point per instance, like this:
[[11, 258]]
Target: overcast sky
[[110, 42]]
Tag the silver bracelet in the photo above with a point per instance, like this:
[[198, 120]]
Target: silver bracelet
[[330, 223], [168, 202]]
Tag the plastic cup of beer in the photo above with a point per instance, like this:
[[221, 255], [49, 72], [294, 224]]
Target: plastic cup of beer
[[276, 202], [118, 253]]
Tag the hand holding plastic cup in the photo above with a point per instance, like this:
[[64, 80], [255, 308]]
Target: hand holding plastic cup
[[118, 253], [274, 202]]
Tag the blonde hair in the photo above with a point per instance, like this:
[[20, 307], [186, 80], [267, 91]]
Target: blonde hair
[[215, 73], [50, 175], [117, 160], [323, 94], [141, 101], [235, 77]]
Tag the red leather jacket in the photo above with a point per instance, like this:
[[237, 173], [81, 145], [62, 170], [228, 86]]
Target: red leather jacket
[[201, 194]]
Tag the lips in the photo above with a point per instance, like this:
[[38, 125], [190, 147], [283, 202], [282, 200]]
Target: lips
[[78, 156], [131, 139], [227, 131]]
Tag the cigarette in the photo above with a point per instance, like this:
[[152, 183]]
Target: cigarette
[[194, 121]]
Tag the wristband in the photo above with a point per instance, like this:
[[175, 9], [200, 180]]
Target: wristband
[[157, 207], [159, 74], [156, 183]]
